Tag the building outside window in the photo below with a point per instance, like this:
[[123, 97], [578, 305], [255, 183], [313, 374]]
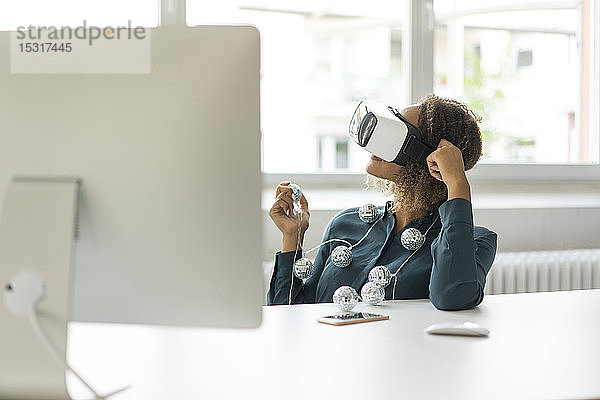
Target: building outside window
[[522, 67], [333, 153]]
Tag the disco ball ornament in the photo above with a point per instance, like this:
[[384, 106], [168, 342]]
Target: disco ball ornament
[[380, 275], [345, 297], [341, 256], [368, 213], [303, 268], [296, 192], [412, 239], [372, 293]]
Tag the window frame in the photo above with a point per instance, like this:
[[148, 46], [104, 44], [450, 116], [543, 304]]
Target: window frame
[[420, 36]]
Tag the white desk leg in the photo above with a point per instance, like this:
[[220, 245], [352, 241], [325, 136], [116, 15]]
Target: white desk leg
[[37, 231]]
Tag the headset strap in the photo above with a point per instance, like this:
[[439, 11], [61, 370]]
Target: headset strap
[[416, 149], [413, 145]]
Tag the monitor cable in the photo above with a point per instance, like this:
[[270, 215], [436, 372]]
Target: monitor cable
[[22, 296]]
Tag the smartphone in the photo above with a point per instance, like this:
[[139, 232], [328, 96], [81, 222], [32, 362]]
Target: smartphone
[[351, 317]]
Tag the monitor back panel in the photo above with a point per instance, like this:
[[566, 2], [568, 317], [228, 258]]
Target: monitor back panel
[[169, 215]]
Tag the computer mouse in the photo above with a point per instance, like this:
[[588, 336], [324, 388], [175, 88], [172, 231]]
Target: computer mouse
[[461, 328]]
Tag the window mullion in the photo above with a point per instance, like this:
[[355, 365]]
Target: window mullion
[[420, 36]]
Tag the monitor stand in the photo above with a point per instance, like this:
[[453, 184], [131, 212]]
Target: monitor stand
[[37, 231]]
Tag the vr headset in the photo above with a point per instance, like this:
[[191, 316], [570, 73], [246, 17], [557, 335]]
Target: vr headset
[[383, 131]]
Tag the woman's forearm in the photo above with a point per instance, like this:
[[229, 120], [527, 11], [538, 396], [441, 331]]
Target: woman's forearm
[[461, 259]]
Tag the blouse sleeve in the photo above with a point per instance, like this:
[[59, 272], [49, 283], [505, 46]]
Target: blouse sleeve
[[462, 256], [279, 288]]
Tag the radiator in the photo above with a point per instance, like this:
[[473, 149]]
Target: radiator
[[543, 271]]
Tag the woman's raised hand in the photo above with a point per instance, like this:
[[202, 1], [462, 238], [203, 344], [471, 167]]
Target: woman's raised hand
[[446, 164], [286, 219]]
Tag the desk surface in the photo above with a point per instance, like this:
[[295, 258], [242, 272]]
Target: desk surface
[[541, 346]]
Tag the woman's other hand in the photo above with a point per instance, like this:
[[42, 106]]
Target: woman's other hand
[[286, 219], [446, 164]]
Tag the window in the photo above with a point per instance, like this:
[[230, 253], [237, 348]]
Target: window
[[333, 152], [524, 58], [318, 60], [341, 154], [527, 69]]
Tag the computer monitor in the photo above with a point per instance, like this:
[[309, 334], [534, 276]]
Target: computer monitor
[[169, 211]]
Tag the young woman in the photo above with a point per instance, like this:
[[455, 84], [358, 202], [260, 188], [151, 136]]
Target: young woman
[[449, 267]]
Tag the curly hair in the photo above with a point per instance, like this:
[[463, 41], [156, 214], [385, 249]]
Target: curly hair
[[415, 190]]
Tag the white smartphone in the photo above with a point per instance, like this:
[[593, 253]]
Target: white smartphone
[[350, 317]]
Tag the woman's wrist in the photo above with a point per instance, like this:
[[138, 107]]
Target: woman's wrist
[[290, 242], [458, 187]]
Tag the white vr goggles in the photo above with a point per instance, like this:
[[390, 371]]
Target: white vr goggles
[[383, 131]]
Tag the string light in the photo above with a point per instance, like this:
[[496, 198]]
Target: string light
[[379, 277]]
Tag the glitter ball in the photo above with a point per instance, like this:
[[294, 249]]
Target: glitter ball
[[345, 297], [380, 275], [341, 256], [303, 268], [368, 213], [296, 192], [372, 293], [412, 239]]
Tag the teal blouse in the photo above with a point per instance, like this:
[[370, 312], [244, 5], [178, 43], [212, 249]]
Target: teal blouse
[[450, 268]]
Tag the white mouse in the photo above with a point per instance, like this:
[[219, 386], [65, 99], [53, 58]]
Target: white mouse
[[457, 328]]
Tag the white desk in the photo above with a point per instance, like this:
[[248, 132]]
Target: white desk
[[541, 346]]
